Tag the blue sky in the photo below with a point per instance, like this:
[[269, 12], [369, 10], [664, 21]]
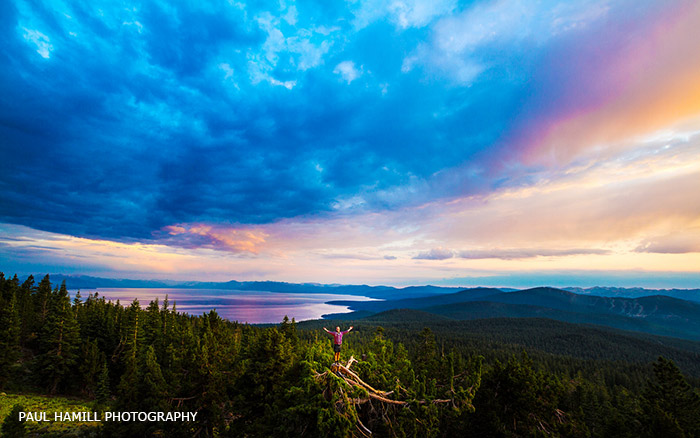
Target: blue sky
[[261, 137]]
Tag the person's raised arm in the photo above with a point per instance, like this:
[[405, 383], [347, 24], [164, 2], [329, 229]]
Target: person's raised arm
[[326, 330], [350, 329]]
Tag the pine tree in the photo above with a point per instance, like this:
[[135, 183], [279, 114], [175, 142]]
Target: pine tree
[[152, 386], [426, 362], [41, 299], [9, 329], [27, 312], [153, 327], [128, 390], [12, 427], [59, 342], [268, 359], [670, 406], [103, 393], [91, 360], [515, 400], [289, 330]]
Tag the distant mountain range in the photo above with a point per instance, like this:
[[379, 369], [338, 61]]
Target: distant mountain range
[[657, 314], [382, 292], [637, 292]]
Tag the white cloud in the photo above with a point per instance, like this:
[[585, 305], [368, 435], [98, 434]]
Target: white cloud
[[286, 84], [307, 54], [291, 16], [138, 25], [303, 50], [514, 20], [42, 42], [457, 39], [347, 71], [418, 13], [226, 68], [403, 13]]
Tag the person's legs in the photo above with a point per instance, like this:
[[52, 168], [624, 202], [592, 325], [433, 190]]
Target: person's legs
[[336, 348]]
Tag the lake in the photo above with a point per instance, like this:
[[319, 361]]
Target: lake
[[236, 305]]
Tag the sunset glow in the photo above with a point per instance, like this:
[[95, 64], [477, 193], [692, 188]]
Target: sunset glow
[[477, 143]]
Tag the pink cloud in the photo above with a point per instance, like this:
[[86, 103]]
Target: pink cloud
[[647, 83], [679, 242], [235, 239], [174, 230]]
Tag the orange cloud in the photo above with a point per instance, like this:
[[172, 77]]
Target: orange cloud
[[174, 230], [597, 207], [229, 238]]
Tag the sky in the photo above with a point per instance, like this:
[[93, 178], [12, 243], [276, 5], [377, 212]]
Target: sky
[[493, 142]]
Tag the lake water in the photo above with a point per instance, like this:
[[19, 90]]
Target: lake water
[[236, 305]]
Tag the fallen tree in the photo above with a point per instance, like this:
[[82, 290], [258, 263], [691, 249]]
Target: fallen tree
[[351, 391]]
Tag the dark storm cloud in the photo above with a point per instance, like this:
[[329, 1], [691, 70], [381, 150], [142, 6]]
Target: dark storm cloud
[[117, 120], [125, 123]]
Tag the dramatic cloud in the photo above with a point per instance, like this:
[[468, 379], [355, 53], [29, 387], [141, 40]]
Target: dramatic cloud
[[379, 138]]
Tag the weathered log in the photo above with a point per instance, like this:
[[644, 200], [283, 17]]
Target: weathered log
[[357, 378], [372, 394], [376, 394], [377, 397]]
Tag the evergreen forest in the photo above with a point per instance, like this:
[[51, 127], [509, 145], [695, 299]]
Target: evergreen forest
[[403, 373]]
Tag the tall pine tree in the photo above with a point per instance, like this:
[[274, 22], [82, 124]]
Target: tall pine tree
[[59, 342]]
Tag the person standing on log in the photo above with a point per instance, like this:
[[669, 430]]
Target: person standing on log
[[337, 340]]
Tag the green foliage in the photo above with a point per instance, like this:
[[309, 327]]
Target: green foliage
[[456, 378], [10, 328], [12, 427], [50, 405], [90, 366], [59, 341], [102, 394], [670, 406], [516, 400]]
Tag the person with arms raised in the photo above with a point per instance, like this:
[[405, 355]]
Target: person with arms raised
[[337, 340]]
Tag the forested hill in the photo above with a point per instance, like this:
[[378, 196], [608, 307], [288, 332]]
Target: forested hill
[[414, 375], [637, 292], [659, 315], [421, 302], [502, 337]]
